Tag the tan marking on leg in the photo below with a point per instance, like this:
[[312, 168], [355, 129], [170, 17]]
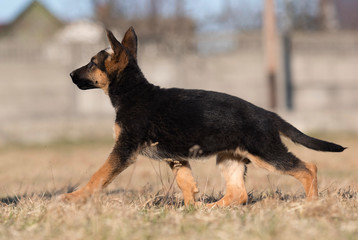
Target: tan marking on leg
[[259, 162], [308, 178], [233, 171], [104, 176], [185, 181]]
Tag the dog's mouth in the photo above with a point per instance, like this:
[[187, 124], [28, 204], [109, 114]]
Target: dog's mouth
[[84, 84]]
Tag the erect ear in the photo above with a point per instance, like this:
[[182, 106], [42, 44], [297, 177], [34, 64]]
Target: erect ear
[[130, 41], [115, 44]]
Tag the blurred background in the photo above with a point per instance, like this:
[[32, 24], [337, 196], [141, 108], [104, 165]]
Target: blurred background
[[296, 57]]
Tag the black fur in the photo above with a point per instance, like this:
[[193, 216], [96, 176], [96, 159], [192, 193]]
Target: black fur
[[298, 137], [180, 120]]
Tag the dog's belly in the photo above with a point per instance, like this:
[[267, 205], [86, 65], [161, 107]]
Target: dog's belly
[[151, 152], [154, 152]]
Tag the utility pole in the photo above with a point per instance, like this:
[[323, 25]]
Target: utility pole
[[270, 48], [286, 49]]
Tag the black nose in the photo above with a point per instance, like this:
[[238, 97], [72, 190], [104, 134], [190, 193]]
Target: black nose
[[72, 74]]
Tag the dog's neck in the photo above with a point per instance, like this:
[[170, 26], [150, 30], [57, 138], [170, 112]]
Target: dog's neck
[[127, 86]]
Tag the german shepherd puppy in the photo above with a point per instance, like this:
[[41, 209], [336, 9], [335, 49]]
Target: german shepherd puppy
[[178, 125]]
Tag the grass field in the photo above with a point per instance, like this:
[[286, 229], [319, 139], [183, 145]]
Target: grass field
[[144, 203]]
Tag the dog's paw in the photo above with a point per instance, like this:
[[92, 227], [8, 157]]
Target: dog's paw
[[74, 197]]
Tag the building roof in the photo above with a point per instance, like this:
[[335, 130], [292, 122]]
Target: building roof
[[35, 23], [30, 6]]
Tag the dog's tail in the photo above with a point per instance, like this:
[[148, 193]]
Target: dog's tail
[[298, 137]]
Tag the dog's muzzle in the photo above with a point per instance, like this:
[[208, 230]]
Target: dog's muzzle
[[81, 83]]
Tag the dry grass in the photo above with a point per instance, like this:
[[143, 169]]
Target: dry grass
[[143, 202]]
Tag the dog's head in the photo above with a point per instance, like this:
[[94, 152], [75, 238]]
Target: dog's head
[[108, 63]]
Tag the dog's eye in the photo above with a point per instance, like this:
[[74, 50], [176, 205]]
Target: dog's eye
[[91, 65]]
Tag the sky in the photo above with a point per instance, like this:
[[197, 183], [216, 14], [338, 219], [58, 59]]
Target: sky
[[63, 9], [68, 10]]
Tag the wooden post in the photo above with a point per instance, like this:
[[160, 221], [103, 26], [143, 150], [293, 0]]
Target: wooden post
[[286, 38], [286, 57], [270, 48]]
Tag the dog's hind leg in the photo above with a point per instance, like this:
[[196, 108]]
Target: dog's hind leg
[[233, 170], [286, 163], [185, 181], [308, 177]]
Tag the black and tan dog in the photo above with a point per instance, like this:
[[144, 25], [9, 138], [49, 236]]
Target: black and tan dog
[[181, 124]]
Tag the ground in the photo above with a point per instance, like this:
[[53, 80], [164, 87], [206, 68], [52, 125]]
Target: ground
[[145, 203]]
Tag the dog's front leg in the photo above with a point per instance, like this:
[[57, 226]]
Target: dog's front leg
[[104, 176]]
